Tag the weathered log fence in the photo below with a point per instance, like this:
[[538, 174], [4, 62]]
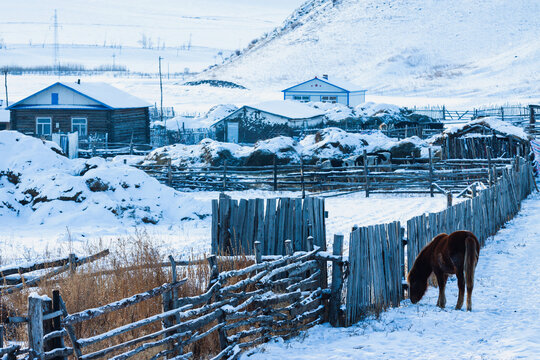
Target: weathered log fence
[[380, 256], [275, 296], [404, 176]]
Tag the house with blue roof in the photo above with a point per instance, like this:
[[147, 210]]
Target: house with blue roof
[[91, 108], [327, 90]]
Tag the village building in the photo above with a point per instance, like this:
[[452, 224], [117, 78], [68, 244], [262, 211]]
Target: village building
[[91, 109], [327, 90], [249, 124], [471, 140], [4, 119]]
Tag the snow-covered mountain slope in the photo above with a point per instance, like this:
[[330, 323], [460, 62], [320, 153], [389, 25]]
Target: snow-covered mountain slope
[[429, 48]]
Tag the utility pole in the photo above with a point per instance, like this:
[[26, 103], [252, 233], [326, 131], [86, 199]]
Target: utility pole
[[161, 102], [113, 61], [5, 84], [56, 64]]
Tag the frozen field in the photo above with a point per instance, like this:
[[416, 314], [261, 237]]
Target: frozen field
[[503, 323], [21, 239]]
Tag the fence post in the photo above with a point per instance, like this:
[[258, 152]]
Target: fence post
[[58, 342], [72, 262], [1, 336], [36, 306], [258, 252], [449, 199], [473, 187], [490, 175], [430, 173], [288, 247], [169, 172], [366, 174], [337, 283], [224, 175], [302, 179], [310, 243], [275, 173], [212, 262]]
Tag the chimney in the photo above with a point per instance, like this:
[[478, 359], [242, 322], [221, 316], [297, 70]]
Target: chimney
[[79, 81], [325, 76]]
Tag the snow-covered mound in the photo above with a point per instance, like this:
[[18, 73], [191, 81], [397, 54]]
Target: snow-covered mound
[[41, 186], [329, 143], [207, 152], [181, 122], [460, 48]]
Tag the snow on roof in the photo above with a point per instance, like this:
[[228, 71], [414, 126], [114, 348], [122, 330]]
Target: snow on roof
[[107, 94], [101, 92], [341, 83], [4, 116], [289, 109], [500, 126]]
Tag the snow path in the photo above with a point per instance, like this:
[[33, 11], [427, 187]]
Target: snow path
[[504, 323]]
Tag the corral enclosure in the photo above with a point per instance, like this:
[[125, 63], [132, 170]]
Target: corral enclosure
[[241, 316]]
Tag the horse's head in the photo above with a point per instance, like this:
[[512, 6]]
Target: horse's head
[[417, 289]]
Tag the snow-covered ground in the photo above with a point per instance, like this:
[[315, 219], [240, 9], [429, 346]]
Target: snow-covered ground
[[503, 324]]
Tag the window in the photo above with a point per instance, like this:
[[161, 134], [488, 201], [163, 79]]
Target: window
[[80, 125], [43, 126], [329, 99], [54, 98], [303, 99]]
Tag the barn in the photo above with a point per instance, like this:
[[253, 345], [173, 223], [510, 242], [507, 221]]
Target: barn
[[92, 108], [266, 120], [470, 140], [327, 90]]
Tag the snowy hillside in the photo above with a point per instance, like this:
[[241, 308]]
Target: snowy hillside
[[426, 48]]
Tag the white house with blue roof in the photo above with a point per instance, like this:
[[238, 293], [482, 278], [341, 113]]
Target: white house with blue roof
[[327, 90]]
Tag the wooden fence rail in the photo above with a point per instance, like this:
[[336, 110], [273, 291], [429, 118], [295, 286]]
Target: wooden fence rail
[[415, 176], [379, 262], [274, 297]]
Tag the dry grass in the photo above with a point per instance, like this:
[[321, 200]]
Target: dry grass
[[83, 290]]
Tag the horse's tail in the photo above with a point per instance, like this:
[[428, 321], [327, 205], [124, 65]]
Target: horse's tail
[[471, 259]]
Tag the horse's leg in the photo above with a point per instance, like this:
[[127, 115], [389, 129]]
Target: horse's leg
[[441, 280], [470, 284], [461, 287]]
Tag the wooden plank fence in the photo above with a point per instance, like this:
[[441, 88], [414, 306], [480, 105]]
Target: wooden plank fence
[[377, 259], [237, 224]]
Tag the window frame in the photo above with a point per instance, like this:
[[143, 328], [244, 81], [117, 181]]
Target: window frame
[[78, 125], [302, 98], [38, 118], [330, 99]]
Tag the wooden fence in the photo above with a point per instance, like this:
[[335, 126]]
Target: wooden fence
[[14, 279], [379, 263], [239, 309], [408, 176], [237, 224]]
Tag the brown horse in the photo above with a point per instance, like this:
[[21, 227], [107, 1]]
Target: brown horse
[[456, 253]]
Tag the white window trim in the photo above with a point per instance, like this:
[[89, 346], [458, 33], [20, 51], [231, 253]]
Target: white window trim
[[85, 123], [41, 118]]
